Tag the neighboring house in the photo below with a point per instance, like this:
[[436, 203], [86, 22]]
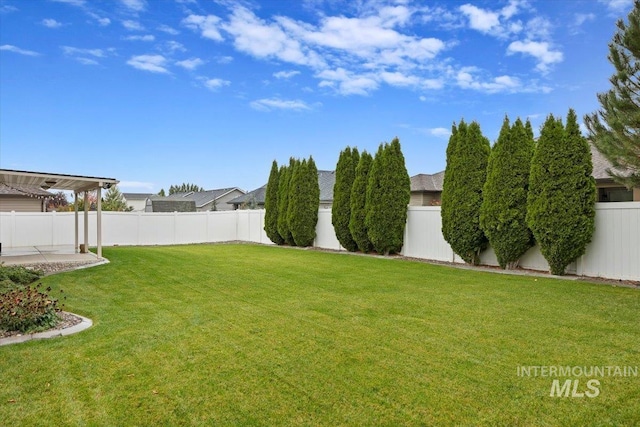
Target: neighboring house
[[252, 200], [204, 200], [22, 199], [160, 204], [326, 181], [426, 190], [608, 189], [136, 201]]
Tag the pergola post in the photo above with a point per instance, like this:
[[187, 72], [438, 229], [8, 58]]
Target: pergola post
[[86, 222], [75, 209], [99, 222]]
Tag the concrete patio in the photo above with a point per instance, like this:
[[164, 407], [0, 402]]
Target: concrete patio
[[44, 254]]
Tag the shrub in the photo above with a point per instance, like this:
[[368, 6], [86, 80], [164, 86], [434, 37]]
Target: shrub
[[19, 275], [27, 309], [561, 202], [271, 206], [462, 194], [388, 195], [304, 202], [358, 203], [504, 205], [341, 209]]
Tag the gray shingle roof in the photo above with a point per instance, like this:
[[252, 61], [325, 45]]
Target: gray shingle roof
[[201, 198], [326, 181], [137, 196], [426, 182], [258, 195], [601, 164], [21, 190]]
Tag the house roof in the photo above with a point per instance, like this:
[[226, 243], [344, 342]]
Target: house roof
[[601, 165], [77, 183], [258, 195], [326, 181], [426, 182], [201, 198], [163, 205], [20, 190], [137, 196]]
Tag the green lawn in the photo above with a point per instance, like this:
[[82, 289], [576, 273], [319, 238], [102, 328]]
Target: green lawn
[[255, 335]]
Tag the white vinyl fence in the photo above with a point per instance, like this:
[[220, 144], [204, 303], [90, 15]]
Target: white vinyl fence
[[614, 252]]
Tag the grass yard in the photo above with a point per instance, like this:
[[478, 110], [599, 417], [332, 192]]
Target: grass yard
[[256, 335]]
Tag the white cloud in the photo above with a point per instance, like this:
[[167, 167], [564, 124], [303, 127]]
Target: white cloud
[[77, 3], [169, 30], [215, 84], [224, 60], [479, 19], [581, 18], [134, 5], [151, 63], [145, 38], [132, 25], [440, 132], [346, 82], [175, 46], [539, 50], [86, 61], [494, 22], [190, 64], [285, 74], [51, 23], [258, 38], [74, 51], [269, 104], [208, 26], [617, 5], [8, 9], [466, 79], [104, 21], [422, 98], [14, 49]]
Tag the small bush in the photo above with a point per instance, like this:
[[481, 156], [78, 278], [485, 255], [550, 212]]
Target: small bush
[[19, 275], [27, 309]]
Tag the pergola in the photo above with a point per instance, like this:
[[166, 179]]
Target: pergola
[[77, 184]]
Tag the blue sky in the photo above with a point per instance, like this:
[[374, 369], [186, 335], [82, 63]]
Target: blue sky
[[160, 92]]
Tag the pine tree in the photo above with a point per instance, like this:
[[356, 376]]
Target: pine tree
[[615, 128], [283, 203], [161, 193], [341, 209], [561, 202], [358, 203], [388, 195], [271, 206], [504, 205], [461, 207], [185, 188], [114, 201]]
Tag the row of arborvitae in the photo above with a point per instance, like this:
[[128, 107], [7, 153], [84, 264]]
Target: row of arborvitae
[[518, 192], [291, 202], [370, 199]]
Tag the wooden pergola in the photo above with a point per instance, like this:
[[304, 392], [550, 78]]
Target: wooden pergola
[[76, 183]]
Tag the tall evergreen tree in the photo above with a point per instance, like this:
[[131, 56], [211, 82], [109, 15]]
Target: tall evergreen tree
[[341, 209], [461, 207], [504, 205], [283, 203], [184, 188], [304, 202], [358, 203], [561, 202], [448, 183], [271, 206], [388, 195], [615, 128], [114, 201]]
